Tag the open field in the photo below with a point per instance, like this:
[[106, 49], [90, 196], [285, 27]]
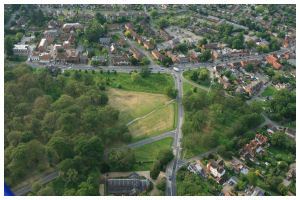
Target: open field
[[147, 154], [155, 83], [159, 121], [135, 104]]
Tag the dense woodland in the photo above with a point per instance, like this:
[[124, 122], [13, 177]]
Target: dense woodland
[[60, 120], [213, 120]]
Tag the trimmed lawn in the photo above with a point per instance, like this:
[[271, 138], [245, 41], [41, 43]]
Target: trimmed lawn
[[135, 104], [157, 122], [155, 83], [147, 154], [269, 91]]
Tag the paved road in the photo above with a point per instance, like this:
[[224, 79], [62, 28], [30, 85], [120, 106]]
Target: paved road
[[172, 167], [151, 139], [45, 179]]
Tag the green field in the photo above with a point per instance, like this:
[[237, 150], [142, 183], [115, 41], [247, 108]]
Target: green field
[[269, 91], [147, 154], [155, 83], [159, 121], [135, 104]]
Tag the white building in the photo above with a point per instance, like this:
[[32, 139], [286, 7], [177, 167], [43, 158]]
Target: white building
[[21, 49]]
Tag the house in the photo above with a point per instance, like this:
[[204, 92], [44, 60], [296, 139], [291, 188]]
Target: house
[[128, 26], [132, 185], [253, 62], [253, 87], [148, 45], [113, 27], [34, 56], [119, 60], [99, 59], [165, 35], [213, 19], [273, 60], [250, 150], [105, 40], [211, 46], [44, 57], [50, 35], [72, 56], [174, 58], [113, 48], [21, 50], [71, 26], [139, 39], [136, 54], [42, 45], [254, 191], [66, 44], [183, 59], [52, 24], [239, 167], [217, 169], [286, 42], [196, 168], [157, 55], [83, 58]]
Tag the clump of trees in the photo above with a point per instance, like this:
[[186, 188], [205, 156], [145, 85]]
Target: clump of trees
[[60, 121], [164, 157], [209, 113]]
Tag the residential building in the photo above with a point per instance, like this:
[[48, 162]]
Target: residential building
[[102, 60], [42, 45], [217, 169], [253, 87], [165, 35], [105, 40], [71, 26], [34, 57], [239, 167], [157, 55], [148, 45], [21, 50], [128, 26], [136, 54], [44, 57], [72, 56], [119, 60], [250, 150], [273, 60], [50, 35]]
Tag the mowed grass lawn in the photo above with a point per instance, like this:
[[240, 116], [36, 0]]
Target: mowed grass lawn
[[159, 121], [147, 154], [269, 91], [135, 104], [155, 83]]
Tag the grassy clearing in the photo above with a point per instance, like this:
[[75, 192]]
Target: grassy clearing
[[155, 83], [159, 121], [135, 104], [269, 91], [147, 154]]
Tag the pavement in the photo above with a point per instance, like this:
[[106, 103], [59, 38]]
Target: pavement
[[151, 139], [45, 179]]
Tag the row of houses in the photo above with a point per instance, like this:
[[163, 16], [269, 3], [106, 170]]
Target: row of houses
[[141, 40], [254, 147]]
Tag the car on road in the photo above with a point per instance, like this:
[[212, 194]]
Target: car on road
[[176, 69]]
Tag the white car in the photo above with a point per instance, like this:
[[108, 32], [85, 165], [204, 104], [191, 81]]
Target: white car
[[176, 69]]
